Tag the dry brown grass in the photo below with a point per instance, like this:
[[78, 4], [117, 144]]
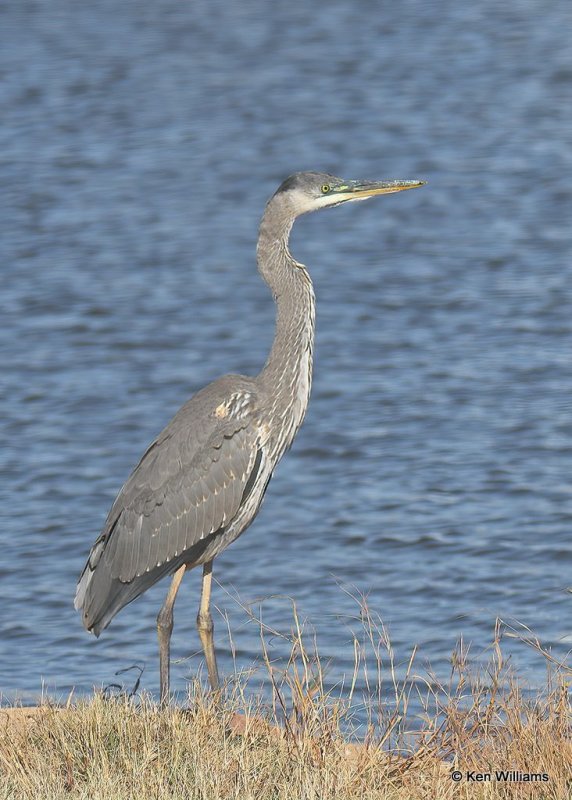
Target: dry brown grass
[[296, 746]]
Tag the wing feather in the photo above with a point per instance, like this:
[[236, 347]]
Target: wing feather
[[188, 486], [138, 540], [194, 502], [154, 557]]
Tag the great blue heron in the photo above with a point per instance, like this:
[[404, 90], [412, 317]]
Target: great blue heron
[[200, 484]]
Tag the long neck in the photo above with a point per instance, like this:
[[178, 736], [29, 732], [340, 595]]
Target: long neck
[[287, 374]]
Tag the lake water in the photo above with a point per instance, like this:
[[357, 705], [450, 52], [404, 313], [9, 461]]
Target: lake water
[[139, 143]]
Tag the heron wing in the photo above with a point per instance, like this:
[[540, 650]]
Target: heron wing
[[190, 483]]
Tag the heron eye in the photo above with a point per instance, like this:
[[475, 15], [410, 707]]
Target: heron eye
[[325, 188]]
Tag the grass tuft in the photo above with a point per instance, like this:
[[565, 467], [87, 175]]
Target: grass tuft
[[302, 743]]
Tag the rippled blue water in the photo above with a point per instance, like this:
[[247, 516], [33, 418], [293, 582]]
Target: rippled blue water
[[138, 145]]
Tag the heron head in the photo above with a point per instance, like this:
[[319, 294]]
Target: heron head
[[310, 191]]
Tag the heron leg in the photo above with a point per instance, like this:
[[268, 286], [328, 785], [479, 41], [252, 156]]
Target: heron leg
[[164, 630], [205, 626]]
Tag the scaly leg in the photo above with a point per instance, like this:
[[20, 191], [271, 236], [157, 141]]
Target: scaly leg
[[164, 630], [205, 626]]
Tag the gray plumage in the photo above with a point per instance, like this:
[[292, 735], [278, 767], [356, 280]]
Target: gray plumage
[[201, 482], [179, 505]]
